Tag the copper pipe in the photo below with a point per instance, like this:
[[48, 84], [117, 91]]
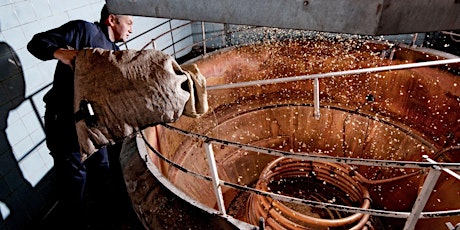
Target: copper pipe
[[279, 216]]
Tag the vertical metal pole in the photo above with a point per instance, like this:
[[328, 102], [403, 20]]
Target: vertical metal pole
[[226, 38], [414, 40], [392, 54], [422, 197], [215, 177], [261, 223], [203, 37], [316, 113], [172, 38]]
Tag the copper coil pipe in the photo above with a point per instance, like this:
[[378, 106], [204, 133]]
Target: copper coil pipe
[[323, 174], [274, 224], [289, 171], [284, 168], [275, 219], [273, 213], [354, 192], [319, 221], [275, 205], [362, 223], [283, 222], [257, 210], [249, 206]]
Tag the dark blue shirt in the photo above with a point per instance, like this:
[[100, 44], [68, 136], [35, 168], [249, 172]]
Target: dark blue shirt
[[60, 99]]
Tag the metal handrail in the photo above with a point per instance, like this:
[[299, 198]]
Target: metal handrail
[[165, 33], [316, 77], [316, 157], [202, 41], [333, 74]]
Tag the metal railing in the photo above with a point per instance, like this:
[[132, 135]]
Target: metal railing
[[316, 77], [224, 33]]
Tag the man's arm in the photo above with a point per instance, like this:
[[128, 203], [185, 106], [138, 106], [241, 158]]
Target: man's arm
[[55, 43], [66, 56]]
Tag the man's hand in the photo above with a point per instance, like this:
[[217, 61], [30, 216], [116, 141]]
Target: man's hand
[[66, 56]]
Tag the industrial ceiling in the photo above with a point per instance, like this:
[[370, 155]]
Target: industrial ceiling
[[365, 17]]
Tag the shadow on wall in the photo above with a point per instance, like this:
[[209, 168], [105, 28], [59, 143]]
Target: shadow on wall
[[15, 196]]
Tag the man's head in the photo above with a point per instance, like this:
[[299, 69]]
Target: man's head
[[120, 26]]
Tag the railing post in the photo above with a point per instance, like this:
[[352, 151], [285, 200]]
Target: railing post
[[203, 37], [316, 113], [172, 38], [261, 223], [422, 197], [153, 44], [215, 177], [414, 40], [226, 37]]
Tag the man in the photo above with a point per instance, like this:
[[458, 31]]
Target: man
[[72, 175]]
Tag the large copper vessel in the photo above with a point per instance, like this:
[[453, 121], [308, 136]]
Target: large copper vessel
[[398, 115]]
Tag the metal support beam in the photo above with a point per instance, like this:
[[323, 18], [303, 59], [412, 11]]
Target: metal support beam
[[203, 37], [317, 113], [215, 177], [422, 197], [370, 17]]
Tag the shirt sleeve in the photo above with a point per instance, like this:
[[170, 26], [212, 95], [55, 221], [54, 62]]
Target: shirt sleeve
[[44, 44]]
